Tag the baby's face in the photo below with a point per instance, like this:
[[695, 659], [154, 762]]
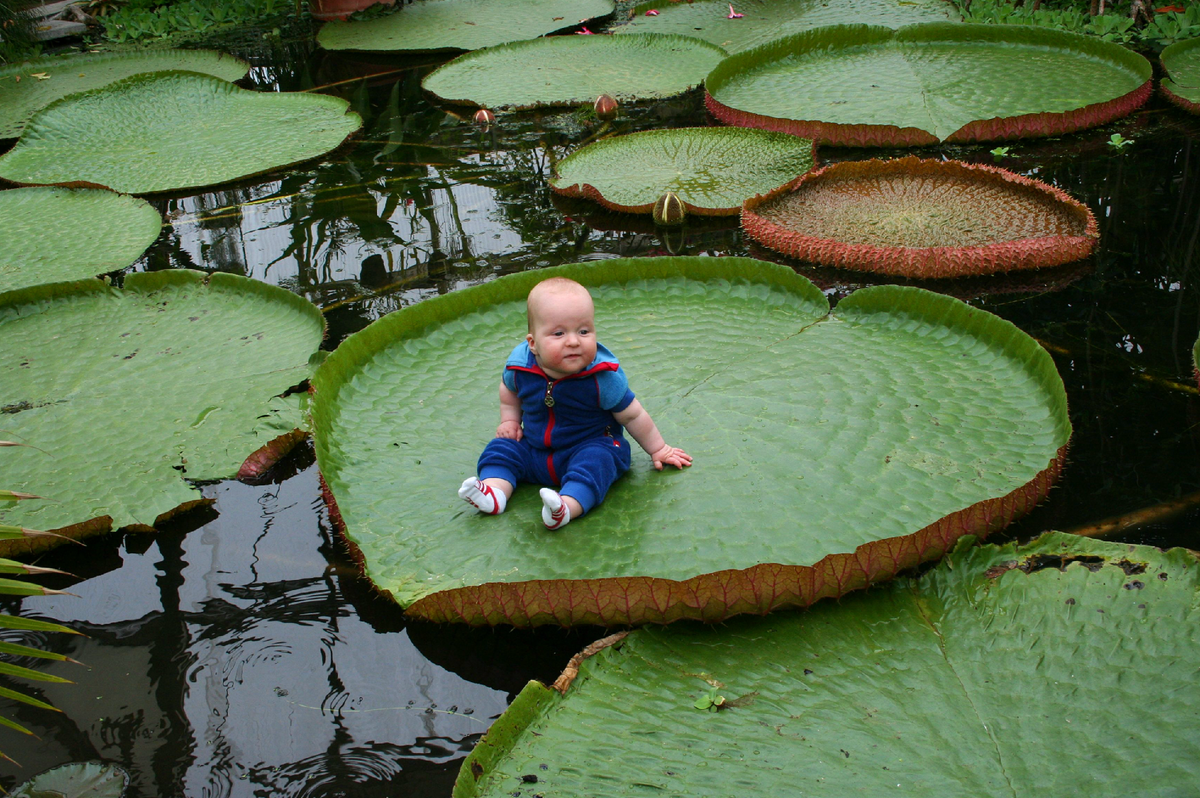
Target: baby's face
[[563, 339]]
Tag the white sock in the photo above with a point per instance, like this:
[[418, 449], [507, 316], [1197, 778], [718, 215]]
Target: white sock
[[555, 514], [482, 497]]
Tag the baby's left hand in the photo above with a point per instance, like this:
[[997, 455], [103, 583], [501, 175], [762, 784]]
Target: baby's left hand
[[669, 455]]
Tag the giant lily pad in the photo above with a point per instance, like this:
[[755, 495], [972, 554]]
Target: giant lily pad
[[1181, 62], [922, 219], [831, 449], [763, 21], [49, 235], [712, 169], [28, 87], [172, 130], [872, 86], [76, 780], [122, 394], [460, 24], [569, 70], [1064, 667]]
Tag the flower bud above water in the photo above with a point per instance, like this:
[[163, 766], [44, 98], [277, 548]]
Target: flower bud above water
[[484, 117], [669, 209], [606, 106]]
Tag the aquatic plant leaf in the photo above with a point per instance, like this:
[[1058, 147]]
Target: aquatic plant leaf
[[22, 94], [712, 169], [1013, 670], [922, 218], [572, 70], [766, 20], [871, 86], [76, 780], [127, 393], [1181, 85], [172, 130], [830, 450], [460, 24], [48, 235]]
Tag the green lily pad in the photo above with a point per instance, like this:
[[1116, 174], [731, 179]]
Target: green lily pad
[[460, 24], [173, 130], [570, 70], [763, 21], [1063, 667], [48, 235], [76, 780], [1181, 62], [28, 87], [872, 86], [122, 394], [830, 449], [712, 169]]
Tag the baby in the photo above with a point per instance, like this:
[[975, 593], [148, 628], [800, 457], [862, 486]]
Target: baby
[[563, 402]]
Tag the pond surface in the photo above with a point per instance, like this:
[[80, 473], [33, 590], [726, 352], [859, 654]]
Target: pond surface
[[238, 653]]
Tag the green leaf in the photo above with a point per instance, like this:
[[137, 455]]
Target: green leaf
[[17, 650], [712, 169], [172, 130], [20, 99], [460, 24], [1015, 670], [48, 235], [1181, 85], [175, 371], [24, 699], [889, 428], [571, 70], [32, 625], [15, 587], [76, 780], [9, 669]]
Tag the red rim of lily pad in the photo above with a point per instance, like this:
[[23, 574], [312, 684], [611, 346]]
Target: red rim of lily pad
[[926, 262], [1164, 59]]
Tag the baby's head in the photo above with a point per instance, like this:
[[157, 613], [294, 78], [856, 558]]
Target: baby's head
[[562, 326]]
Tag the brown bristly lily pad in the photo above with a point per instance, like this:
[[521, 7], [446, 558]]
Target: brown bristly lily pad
[[922, 218]]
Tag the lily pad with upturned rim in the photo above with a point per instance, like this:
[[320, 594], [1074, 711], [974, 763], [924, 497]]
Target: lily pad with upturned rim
[[712, 169], [28, 87], [172, 130], [76, 780], [571, 70], [1059, 667], [922, 218], [460, 24], [831, 450], [1181, 84], [859, 85], [49, 235]]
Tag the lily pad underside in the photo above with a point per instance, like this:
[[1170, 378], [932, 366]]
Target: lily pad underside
[[764, 21], [925, 219], [50, 235], [121, 395], [1181, 85], [174, 130], [712, 169], [858, 85], [831, 450], [572, 70], [1063, 667], [460, 24], [28, 87]]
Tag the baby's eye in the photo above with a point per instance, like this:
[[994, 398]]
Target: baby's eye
[[558, 333], [585, 331]]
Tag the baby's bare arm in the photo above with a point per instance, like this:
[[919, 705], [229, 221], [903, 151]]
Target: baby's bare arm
[[510, 414], [643, 429]]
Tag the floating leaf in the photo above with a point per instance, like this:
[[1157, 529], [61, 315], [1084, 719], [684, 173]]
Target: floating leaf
[[831, 449], [573, 70], [460, 24], [128, 392], [20, 99], [922, 219], [1181, 85], [1015, 670], [172, 130], [712, 169], [48, 235], [872, 86], [76, 780]]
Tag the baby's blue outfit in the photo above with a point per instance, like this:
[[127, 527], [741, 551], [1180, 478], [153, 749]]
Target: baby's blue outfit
[[571, 437]]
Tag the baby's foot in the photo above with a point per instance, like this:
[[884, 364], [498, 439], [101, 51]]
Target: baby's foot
[[482, 497], [555, 514]]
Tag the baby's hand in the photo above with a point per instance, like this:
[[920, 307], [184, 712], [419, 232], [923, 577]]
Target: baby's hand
[[671, 456], [509, 429]]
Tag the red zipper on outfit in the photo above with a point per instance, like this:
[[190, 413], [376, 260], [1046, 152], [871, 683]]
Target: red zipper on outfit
[[549, 402]]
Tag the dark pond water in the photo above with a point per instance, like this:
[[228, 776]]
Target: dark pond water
[[239, 654]]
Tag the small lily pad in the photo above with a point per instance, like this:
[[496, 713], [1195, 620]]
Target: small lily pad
[[1181, 85], [76, 780], [712, 169]]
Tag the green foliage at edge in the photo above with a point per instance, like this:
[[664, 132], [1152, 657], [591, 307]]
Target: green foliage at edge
[[1181, 62], [1164, 27]]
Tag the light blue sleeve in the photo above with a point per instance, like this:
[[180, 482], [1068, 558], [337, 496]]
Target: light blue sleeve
[[615, 395], [509, 379]]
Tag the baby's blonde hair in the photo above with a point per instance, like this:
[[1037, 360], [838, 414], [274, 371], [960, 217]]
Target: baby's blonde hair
[[551, 285]]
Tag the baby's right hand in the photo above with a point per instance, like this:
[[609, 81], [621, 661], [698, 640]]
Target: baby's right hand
[[509, 429]]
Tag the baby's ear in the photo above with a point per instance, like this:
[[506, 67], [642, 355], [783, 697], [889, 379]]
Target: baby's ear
[[529, 340]]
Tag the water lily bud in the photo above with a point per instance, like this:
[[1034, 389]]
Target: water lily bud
[[606, 106], [484, 117], [669, 209]]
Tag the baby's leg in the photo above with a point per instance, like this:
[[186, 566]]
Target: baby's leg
[[558, 510], [488, 496], [502, 465], [589, 471]]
